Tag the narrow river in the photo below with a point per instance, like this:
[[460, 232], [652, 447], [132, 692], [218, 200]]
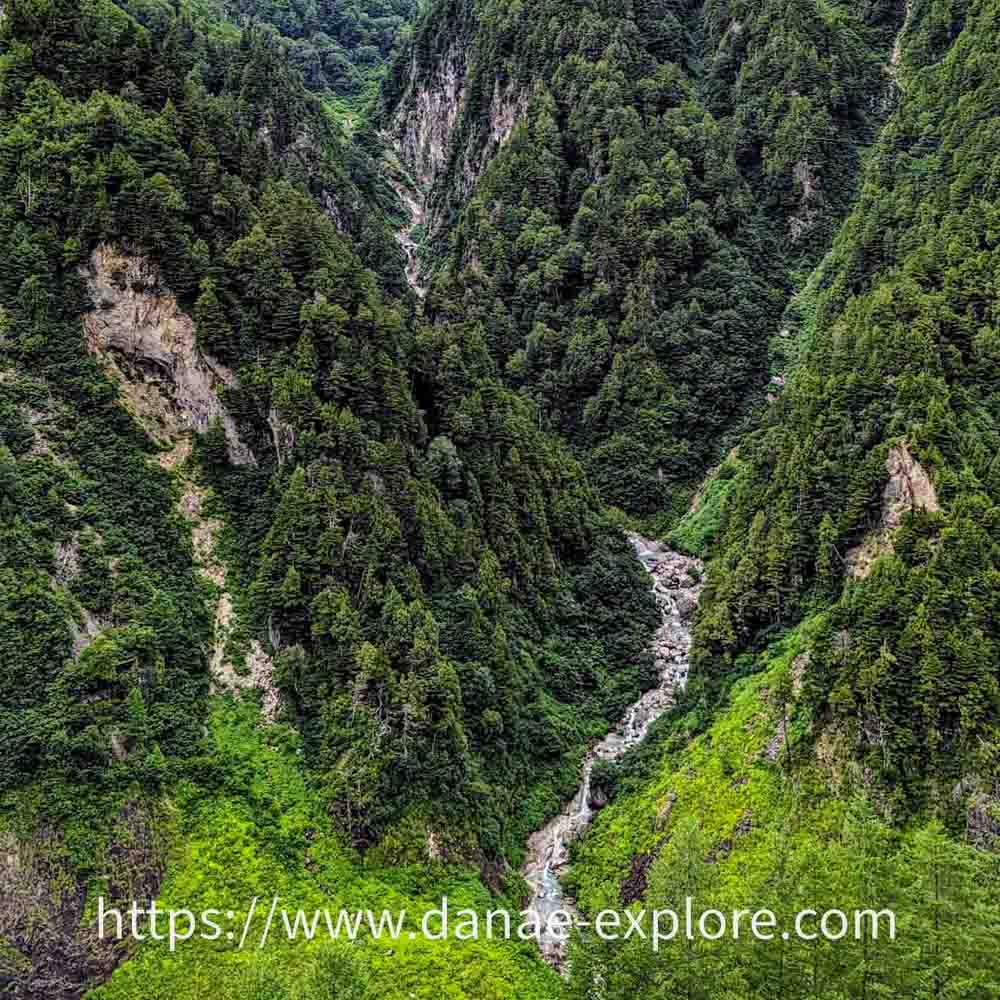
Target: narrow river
[[676, 590]]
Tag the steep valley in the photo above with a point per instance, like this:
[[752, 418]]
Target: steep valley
[[539, 453]]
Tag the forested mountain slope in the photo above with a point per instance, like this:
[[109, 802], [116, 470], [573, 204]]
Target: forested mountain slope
[[872, 484], [377, 534], [855, 578], [312, 572], [860, 513], [629, 194], [339, 48]]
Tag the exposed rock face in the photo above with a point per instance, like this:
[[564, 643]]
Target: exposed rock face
[[777, 741], [422, 131], [665, 811], [407, 236], [508, 106], [147, 344], [422, 125], [982, 811], [205, 533], [897, 46], [634, 886], [67, 560], [53, 954], [983, 821], [806, 215], [908, 488], [676, 586], [799, 667], [260, 677]]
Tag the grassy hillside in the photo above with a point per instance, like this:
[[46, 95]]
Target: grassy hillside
[[761, 808], [245, 822]]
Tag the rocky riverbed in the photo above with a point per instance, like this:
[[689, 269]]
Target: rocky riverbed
[[676, 586]]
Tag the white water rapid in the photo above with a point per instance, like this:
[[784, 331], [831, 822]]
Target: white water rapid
[[676, 590]]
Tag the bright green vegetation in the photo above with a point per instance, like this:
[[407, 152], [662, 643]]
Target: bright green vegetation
[[750, 813], [698, 529], [245, 824], [766, 230]]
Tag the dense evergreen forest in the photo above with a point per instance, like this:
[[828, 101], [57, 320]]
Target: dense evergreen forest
[[319, 447], [339, 48], [629, 252]]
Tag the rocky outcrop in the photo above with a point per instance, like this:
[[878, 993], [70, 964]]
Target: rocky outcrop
[[422, 125], [205, 533], [807, 214], [409, 236], [428, 169], [981, 802], [633, 888], [47, 950], [67, 559], [896, 56], [983, 821], [665, 810], [259, 676], [908, 488], [147, 344]]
